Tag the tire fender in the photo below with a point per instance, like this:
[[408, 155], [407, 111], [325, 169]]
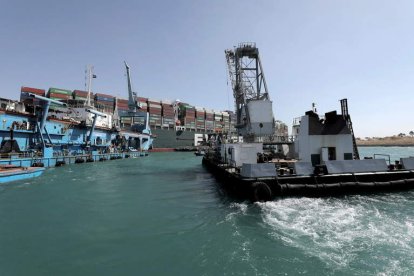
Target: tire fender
[[261, 192]]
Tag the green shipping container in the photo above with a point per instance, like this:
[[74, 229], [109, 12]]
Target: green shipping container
[[60, 91]]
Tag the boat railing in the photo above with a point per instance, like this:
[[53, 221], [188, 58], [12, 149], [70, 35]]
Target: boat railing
[[279, 139], [247, 44], [68, 159], [387, 157], [17, 155]]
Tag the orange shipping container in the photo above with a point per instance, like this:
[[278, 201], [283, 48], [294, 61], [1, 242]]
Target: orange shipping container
[[37, 91]]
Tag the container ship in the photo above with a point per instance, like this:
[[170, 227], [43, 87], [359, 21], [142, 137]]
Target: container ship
[[174, 125], [137, 122], [180, 126]]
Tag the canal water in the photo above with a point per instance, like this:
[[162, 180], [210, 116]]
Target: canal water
[[165, 215]]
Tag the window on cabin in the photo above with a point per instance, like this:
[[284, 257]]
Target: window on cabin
[[348, 156]]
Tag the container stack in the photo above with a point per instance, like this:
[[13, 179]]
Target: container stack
[[122, 106], [200, 119], [24, 95], [218, 121], [62, 95], [187, 114], [105, 102], [58, 94], [168, 114], [82, 96], [155, 112], [209, 120]]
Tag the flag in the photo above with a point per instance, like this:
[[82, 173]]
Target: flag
[[94, 76]]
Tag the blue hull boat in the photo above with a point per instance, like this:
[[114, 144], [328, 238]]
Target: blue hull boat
[[10, 173]]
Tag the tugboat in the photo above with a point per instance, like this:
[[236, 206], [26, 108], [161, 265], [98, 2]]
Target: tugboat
[[321, 157]]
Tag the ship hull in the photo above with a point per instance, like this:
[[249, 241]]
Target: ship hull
[[176, 139], [19, 173]]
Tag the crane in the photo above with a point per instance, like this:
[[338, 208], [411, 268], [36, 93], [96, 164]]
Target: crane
[[253, 106], [132, 103]]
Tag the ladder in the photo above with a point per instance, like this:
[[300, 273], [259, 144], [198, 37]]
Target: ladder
[[347, 117]]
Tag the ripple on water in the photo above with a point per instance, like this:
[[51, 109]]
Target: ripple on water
[[356, 233]]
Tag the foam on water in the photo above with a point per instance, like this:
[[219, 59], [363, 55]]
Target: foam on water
[[358, 233], [242, 248]]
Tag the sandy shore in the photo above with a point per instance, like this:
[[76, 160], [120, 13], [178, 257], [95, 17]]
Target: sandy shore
[[387, 142]]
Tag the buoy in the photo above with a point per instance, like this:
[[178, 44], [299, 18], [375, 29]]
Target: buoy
[[89, 160], [261, 192]]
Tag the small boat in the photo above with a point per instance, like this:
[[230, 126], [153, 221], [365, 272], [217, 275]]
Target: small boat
[[10, 173]]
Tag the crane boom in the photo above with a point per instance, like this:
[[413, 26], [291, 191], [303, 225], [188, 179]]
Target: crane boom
[[253, 106], [132, 104]]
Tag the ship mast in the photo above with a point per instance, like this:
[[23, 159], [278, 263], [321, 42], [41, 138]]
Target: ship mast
[[89, 77]]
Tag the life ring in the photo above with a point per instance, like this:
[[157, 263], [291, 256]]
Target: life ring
[[271, 138], [261, 192], [282, 138]]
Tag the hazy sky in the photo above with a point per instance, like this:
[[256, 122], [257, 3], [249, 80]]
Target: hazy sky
[[311, 51]]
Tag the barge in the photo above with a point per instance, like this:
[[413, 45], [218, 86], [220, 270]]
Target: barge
[[320, 158], [320, 161], [261, 182]]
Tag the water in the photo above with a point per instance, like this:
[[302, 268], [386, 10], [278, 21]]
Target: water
[[165, 215], [388, 153]]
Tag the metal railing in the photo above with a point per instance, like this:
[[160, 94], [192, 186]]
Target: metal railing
[[387, 157]]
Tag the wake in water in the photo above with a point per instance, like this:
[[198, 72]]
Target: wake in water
[[353, 234]]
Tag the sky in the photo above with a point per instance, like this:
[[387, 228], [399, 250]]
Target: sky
[[311, 52]]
